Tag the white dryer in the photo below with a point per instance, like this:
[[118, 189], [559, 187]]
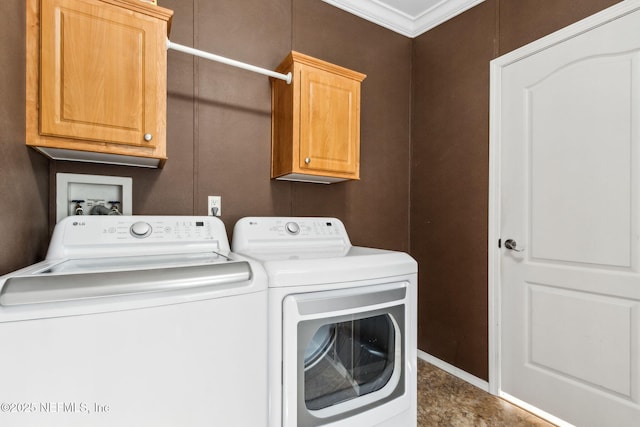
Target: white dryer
[[342, 324], [135, 321]]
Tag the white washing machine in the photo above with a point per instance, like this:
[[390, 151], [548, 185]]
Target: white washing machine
[[342, 324], [135, 321]]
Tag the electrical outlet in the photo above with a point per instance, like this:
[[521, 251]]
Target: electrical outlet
[[214, 206]]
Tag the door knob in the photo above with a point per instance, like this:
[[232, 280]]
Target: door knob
[[512, 245]]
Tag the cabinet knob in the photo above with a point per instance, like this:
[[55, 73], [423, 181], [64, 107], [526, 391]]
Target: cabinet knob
[[307, 160], [148, 137]]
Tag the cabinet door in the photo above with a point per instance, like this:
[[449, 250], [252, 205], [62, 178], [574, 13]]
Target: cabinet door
[[329, 123], [98, 65]]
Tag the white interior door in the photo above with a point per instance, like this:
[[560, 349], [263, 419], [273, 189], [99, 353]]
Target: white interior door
[[566, 190]]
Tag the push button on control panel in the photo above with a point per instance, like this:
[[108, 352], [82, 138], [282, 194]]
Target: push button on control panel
[[140, 230], [292, 227]]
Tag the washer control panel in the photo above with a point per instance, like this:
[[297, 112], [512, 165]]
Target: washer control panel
[[140, 229], [96, 234]]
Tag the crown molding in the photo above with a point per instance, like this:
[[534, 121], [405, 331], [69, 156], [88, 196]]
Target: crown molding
[[380, 13]]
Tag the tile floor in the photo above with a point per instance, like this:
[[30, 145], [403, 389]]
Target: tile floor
[[447, 401]]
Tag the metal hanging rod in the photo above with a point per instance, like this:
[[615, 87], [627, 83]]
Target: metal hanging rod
[[232, 62]]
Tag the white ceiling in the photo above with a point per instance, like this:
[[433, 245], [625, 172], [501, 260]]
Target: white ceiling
[[407, 17]]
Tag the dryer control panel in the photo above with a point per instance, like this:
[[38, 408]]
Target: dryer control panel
[[251, 233]]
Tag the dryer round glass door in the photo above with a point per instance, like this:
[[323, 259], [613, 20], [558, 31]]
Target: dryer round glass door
[[344, 353], [348, 359]]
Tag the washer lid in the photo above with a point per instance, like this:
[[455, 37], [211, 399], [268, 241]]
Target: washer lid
[[40, 289], [44, 290], [123, 263]]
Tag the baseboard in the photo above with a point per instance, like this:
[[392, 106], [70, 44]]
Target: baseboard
[[456, 372]]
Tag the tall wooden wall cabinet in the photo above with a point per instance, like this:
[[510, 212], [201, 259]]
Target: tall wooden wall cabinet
[[96, 80], [315, 122]]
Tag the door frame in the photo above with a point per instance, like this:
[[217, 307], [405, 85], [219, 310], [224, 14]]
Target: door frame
[[495, 197]]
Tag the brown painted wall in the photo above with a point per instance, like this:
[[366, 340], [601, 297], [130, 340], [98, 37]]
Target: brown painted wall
[[449, 186], [450, 170], [23, 173]]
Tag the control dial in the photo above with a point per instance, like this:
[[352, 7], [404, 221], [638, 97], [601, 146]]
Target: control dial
[[292, 227], [140, 229]]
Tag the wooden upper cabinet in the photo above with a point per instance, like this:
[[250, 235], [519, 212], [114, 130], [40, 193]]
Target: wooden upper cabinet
[[96, 80], [315, 122]]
